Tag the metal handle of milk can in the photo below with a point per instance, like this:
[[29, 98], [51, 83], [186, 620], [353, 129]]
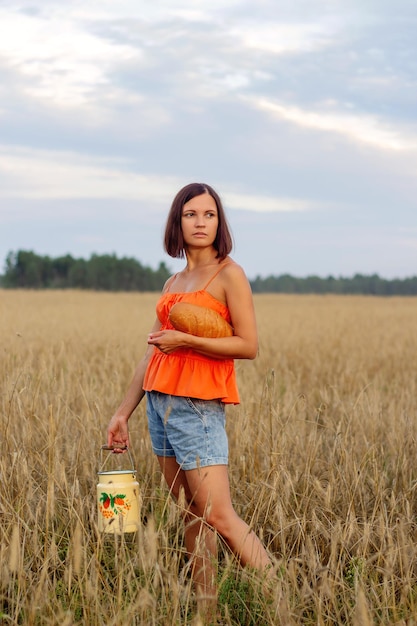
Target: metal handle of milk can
[[112, 449]]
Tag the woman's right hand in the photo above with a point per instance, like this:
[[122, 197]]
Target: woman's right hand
[[117, 431]]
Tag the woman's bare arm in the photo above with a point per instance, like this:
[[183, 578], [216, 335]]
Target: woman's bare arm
[[117, 430]]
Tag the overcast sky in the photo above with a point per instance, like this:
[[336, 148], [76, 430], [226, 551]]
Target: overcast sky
[[301, 113]]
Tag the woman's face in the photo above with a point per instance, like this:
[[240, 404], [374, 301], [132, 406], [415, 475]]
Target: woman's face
[[199, 221]]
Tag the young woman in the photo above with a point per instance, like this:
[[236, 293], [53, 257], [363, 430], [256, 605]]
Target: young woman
[[188, 380]]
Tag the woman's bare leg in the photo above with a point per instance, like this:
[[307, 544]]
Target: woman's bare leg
[[211, 500], [200, 539], [201, 545], [208, 505]]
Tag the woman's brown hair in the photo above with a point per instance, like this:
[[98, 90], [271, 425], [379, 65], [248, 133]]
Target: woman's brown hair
[[174, 240]]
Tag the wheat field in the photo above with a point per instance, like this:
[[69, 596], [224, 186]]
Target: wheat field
[[323, 465]]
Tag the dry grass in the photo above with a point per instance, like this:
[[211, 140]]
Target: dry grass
[[323, 451]]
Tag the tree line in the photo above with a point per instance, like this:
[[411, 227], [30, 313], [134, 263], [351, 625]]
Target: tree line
[[359, 284], [107, 272], [25, 269]]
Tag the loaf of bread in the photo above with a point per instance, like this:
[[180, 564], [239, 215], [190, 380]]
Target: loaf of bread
[[199, 320]]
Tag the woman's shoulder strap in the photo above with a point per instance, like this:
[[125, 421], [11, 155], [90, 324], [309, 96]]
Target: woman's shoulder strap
[[218, 270], [169, 283]]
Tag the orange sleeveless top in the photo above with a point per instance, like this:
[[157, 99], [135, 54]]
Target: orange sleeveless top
[[185, 372]]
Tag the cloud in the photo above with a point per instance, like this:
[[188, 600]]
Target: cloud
[[279, 37], [41, 174], [265, 204], [61, 61], [70, 55], [45, 174], [360, 128]]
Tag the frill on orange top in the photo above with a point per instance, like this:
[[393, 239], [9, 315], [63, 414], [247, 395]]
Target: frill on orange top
[[185, 372]]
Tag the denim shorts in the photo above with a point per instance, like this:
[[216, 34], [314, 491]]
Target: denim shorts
[[191, 430]]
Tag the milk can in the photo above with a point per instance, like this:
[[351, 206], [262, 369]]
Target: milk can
[[118, 497]]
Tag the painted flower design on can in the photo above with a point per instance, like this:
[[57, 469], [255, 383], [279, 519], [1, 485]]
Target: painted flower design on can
[[110, 505]]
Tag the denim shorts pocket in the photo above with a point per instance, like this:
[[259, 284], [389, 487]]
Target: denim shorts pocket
[[199, 407]]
